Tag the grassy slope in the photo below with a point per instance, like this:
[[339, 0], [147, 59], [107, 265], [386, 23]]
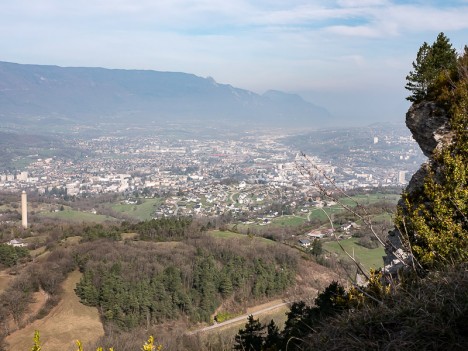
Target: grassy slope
[[142, 212], [369, 258], [77, 216], [231, 235], [288, 221], [68, 321], [368, 199]]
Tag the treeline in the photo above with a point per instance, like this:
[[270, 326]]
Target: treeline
[[163, 229], [144, 283]]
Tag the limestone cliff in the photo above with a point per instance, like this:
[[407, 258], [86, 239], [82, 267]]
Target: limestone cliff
[[429, 126]]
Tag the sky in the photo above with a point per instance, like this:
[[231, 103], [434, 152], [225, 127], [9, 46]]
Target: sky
[[350, 56]]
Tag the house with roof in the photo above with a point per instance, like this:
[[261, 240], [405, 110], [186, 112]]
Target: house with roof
[[17, 243]]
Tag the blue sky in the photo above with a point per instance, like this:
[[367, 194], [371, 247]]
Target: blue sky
[[350, 56]]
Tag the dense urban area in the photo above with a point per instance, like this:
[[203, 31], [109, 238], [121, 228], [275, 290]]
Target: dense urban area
[[202, 176]]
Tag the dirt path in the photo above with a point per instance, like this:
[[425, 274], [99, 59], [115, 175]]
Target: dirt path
[[239, 319], [68, 321]]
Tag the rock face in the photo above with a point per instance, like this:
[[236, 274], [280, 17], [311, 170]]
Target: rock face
[[429, 126]]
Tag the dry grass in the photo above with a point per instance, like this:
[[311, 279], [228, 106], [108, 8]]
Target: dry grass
[[68, 321], [129, 236], [431, 314], [5, 280]]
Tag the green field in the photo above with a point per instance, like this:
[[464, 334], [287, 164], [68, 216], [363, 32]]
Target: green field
[[288, 221], [368, 199], [77, 216], [383, 217], [369, 258], [142, 212], [319, 213]]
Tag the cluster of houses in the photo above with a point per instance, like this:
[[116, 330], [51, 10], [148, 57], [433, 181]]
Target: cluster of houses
[[310, 236]]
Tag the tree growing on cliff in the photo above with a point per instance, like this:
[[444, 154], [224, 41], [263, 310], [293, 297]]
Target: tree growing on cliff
[[431, 62], [435, 218]]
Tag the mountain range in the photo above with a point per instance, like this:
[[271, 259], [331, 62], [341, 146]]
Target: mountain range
[[78, 95]]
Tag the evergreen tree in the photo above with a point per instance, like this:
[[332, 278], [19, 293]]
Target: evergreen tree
[[297, 325], [418, 80], [273, 337], [86, 290], [317, 249], [251, 337], [431, 61], [225, 285]]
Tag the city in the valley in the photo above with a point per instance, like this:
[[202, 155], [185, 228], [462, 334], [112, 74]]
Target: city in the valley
[[225, 172]]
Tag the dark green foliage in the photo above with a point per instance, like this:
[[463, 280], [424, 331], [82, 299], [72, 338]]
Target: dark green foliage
[[273, 338], [171, 228], [297, 325], [10, 255], [431, 61], [87, 291], [317, 249], [164, 229], [251, 337], [98, 231], [137, 283], [302, 320], [225, 285]]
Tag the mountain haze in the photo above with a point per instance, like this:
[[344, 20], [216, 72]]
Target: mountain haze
[[82, 95]]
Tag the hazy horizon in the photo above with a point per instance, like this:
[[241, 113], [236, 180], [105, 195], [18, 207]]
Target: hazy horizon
[[350, 57]]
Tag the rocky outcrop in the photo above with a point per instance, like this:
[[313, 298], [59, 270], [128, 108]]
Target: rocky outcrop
[[429, 125]]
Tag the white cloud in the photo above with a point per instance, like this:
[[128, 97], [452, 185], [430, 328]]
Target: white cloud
[[418, 18], [355, 31], [362, 3]]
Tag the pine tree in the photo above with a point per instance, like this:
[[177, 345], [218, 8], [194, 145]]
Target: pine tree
[[225, 285], [273, 337], [251, 337], [417, 80], [431, 61], [317, 249]]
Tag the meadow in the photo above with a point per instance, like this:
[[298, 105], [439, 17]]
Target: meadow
[[369, 258], [142, 212], [76, 216]]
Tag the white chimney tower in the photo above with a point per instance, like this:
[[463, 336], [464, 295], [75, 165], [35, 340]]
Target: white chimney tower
[[24, 209]]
